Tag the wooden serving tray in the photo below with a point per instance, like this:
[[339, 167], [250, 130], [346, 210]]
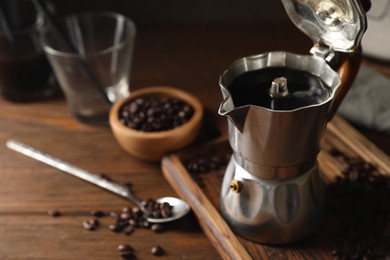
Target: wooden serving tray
[[203, 193]]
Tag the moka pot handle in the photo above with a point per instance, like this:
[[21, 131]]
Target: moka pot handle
[[347, 68]]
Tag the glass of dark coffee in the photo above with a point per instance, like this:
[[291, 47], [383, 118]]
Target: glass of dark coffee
[[25, 74]]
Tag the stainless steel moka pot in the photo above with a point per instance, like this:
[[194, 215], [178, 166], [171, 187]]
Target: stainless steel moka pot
[[278, 105]]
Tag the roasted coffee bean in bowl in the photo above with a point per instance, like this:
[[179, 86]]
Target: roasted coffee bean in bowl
[[154, 121]]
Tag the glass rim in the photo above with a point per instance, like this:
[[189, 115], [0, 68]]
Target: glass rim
[[39, 23], [131, 28]]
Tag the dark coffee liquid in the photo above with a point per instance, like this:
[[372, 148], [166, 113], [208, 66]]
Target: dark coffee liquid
[[252, 88], [25, 79], [24, 69]]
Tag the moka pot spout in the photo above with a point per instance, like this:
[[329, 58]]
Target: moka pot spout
[[236, 116]]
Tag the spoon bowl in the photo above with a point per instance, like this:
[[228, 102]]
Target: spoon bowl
[[179, 209]]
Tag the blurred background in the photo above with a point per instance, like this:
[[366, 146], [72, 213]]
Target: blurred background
[[188, 11], [265, 12]]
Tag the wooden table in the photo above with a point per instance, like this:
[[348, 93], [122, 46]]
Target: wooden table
[[188, 57]]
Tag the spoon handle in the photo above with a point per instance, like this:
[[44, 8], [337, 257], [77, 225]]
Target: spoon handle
[[72, 170]]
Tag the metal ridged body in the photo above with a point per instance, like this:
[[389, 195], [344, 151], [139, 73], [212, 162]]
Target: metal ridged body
[[272, 211]]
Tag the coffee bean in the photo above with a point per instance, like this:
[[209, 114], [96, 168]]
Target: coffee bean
[[144, 223], [98, 213], [114, 215], [126, 209], [126, 251], [128, 185], [117, 227], [130, 218], [147, 203], [336, 253], [154, 209], [91, 224], [88, 226], [203, 165], [137, 212], [133, 223], [154, 114], [166, 211], [54, 213], [360, 202], [128, 230], [156, 214], [157, 228], [157, 251], [197, 166], [102, 175], [126, 215], [336, 153]]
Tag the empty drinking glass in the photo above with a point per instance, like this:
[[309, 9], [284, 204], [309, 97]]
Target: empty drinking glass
[[91, 55]]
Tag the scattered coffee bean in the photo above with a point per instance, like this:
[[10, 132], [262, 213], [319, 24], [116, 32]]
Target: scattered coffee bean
[[206, 164], [88, 226], [197, 166], [54, 213], [114, 214], [144, 223], [91, 224], [126, 209], [117, 227], [360, 202], [154, 114], [126, 215], [98, 213], [157, 228], [137, 213], [104, 176], [336, 153], [336, 253], [134, 223], [126, 251], [157, 251], [128, 185], [130, 218], [128, 230]]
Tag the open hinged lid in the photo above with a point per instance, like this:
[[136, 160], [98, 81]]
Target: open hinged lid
[[338, 24]]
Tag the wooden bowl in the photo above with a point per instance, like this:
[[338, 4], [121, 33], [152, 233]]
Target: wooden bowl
[[152, 146]]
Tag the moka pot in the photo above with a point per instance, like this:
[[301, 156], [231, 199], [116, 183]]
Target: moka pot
[[277, 105]]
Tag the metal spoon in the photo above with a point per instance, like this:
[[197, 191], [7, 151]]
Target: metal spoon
[[179, 207]]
